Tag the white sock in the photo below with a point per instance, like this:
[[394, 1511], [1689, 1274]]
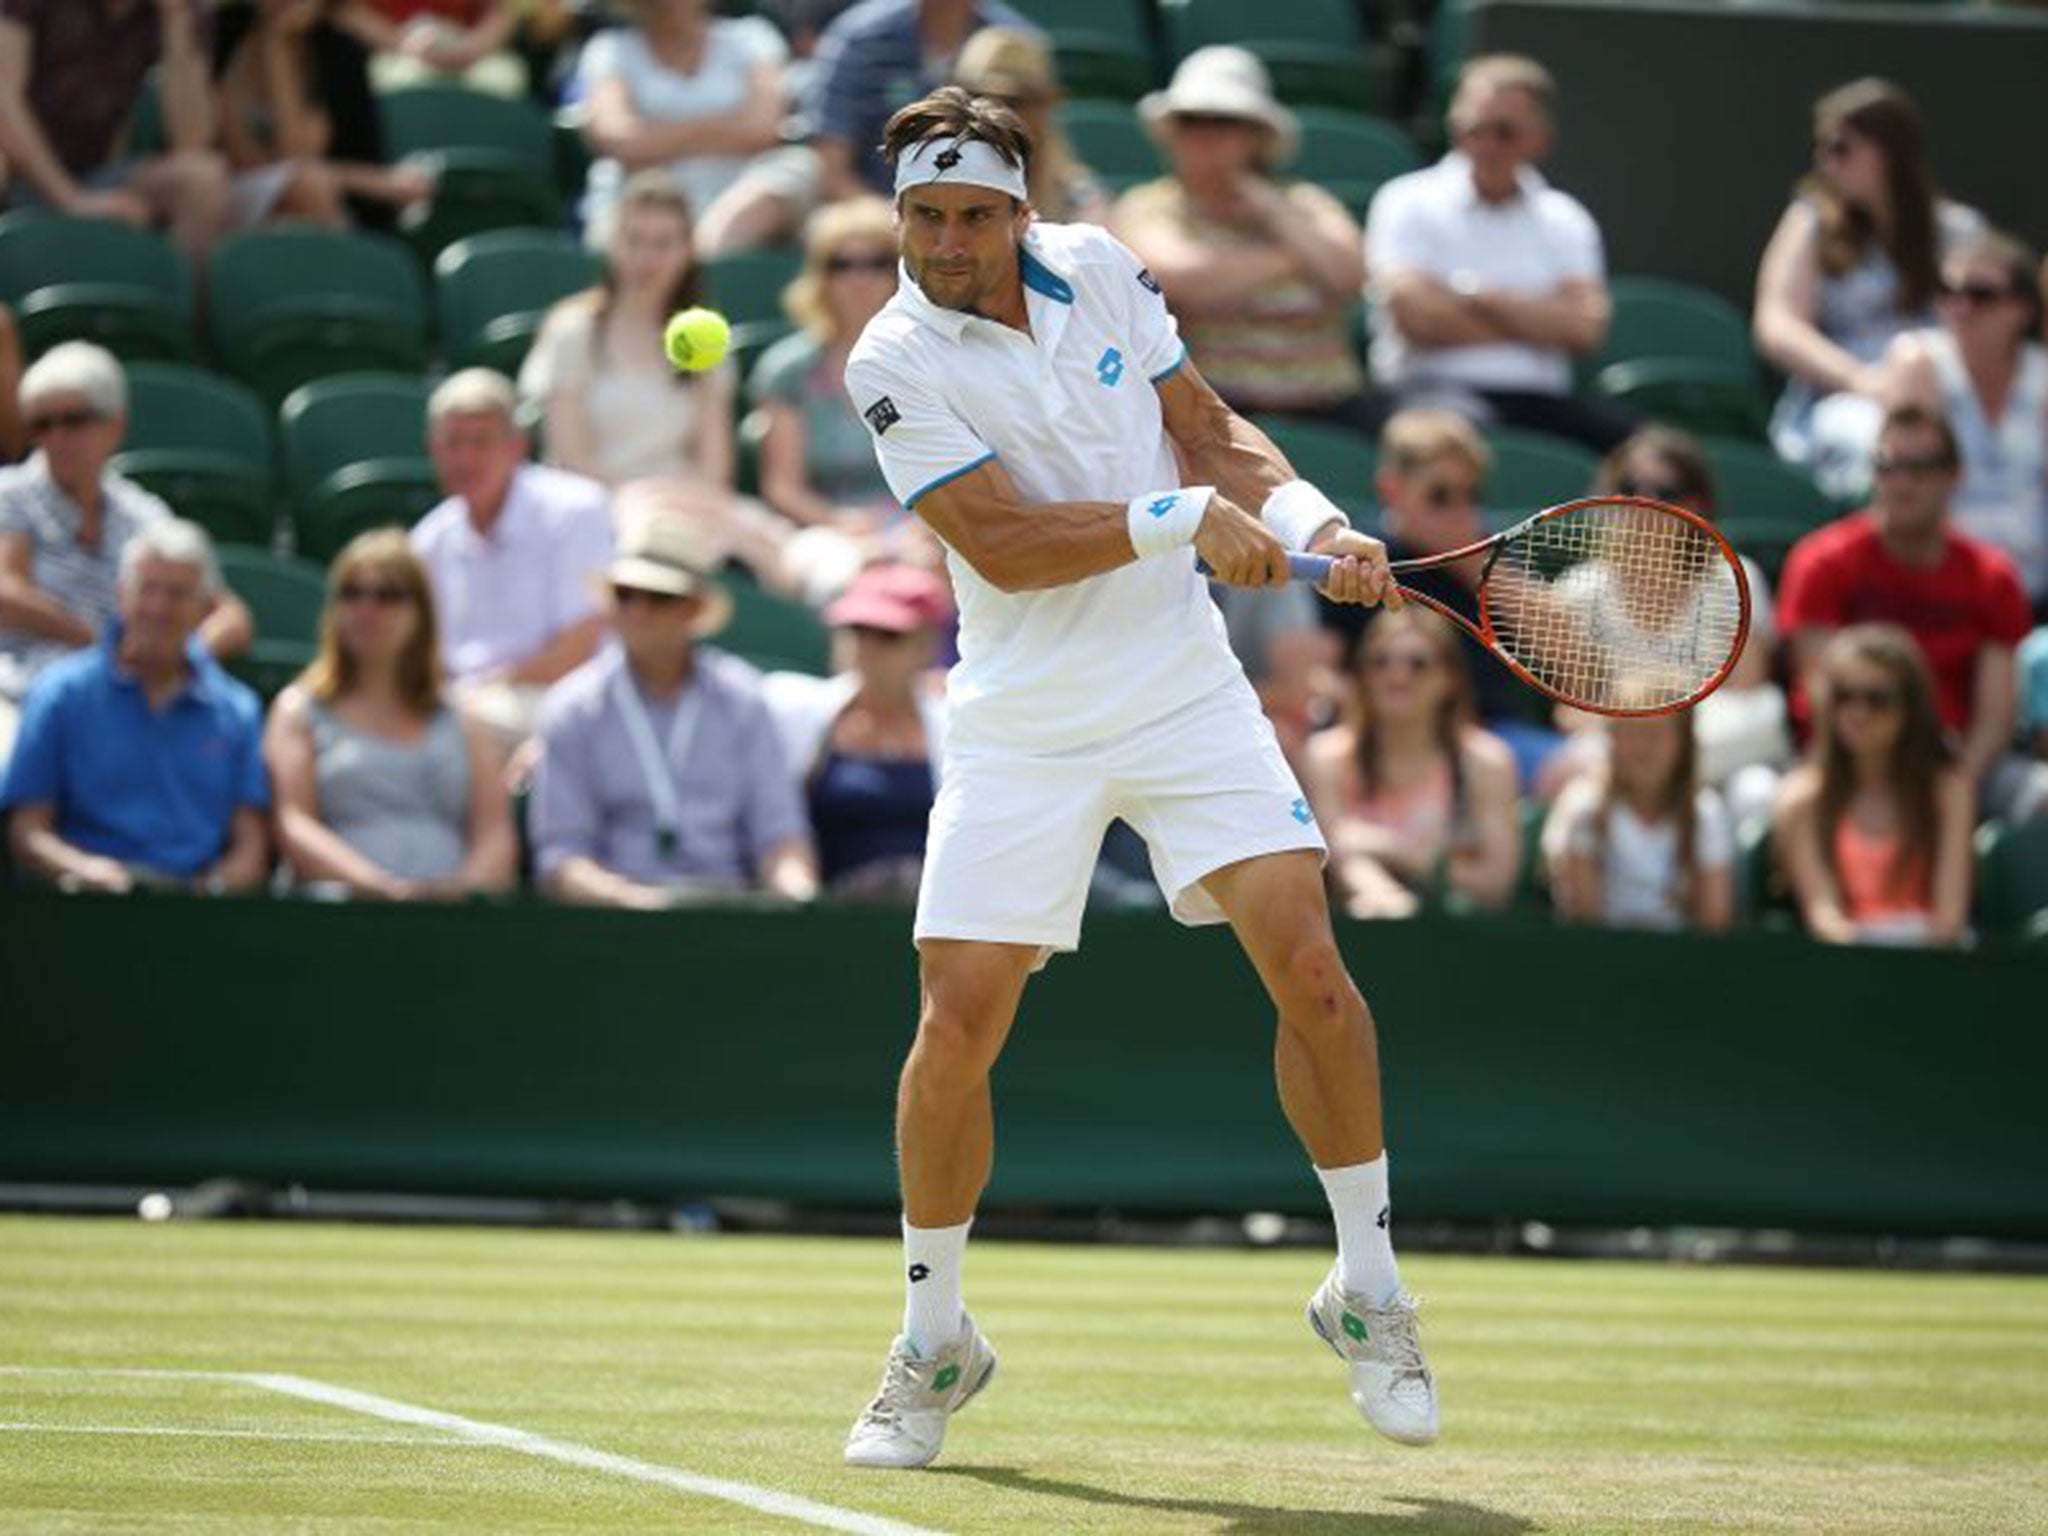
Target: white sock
[[933, 1313], [1365, 1246]]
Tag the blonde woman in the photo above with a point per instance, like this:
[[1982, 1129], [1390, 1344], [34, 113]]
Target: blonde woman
[[382, 789], [1017, 69]]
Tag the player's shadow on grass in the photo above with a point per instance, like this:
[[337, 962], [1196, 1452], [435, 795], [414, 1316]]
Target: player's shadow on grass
[[1426, 1517]]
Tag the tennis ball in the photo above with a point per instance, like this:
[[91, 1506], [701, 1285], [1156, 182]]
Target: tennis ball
[[696, 339]]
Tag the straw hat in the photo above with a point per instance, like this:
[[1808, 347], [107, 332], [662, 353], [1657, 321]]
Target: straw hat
[[1223, 81], [660, 551]]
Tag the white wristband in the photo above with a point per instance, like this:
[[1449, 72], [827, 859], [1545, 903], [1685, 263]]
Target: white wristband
[[1167, 520], [1297, 512]]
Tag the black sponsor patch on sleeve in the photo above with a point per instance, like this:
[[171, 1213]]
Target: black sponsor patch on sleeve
[[1146, 279], [882, 415]]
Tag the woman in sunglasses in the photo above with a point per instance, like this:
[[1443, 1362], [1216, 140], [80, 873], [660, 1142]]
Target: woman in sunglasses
[[1855, 261], [382, 789], [1984, 370], [1418, 800], [1872, 831], [817, 466]]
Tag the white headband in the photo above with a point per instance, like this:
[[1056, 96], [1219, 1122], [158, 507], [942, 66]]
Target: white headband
[[959, 162]]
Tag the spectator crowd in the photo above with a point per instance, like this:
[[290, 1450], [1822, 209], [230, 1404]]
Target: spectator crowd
[[528, 686]]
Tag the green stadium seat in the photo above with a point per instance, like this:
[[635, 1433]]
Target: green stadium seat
[[355, 458], [1350, 155], [493, 157], [1111, 142], [1766, 540], [2012, 876], [1101, 47], [772, 632], [285, 598], [1702, 395], [750, 340], [1532, 884], [491, 292], [297, 304], [747, 285], [94, 280], [1341, 463], [204, 444], [1533, 470], [1450, 28], [572, 155], [1313, 49], [1761, 897], [1751, 482], [1654, 317]]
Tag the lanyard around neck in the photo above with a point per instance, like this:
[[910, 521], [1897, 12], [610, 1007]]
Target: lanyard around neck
[[658, 771]]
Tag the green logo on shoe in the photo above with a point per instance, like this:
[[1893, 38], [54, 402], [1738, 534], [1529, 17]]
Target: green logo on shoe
[[945, 1379], [1355, 1326]]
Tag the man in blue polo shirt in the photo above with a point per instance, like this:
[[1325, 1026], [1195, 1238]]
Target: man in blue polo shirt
[[139, 760]]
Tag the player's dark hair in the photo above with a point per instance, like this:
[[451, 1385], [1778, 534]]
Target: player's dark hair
[[951, 113], [1879, 111]]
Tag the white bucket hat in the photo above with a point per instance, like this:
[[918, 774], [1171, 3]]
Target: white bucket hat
[[1222, 81]]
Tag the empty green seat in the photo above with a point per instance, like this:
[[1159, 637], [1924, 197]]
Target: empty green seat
[[285, 598], [493, 160], [355, 458], [1111, 142], [1766, 540], [1752, 482], [204, 444], [1102, 47], [2012, 876], [1313, 49], [95, 280], [747, 285], [772, 632], [1340, 463], [1654, 317], [492, 291], [1533, 470], [1351, 155], [292, 304], [1703, 395]]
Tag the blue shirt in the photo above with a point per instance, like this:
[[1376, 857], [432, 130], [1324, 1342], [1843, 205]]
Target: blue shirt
[[871, 61], [157, 788]]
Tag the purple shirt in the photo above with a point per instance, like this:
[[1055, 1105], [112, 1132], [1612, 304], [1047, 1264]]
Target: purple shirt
[[86, 66], [501, 597], [734, 789]]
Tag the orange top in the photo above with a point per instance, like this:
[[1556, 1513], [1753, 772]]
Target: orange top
[[1863, 862], [1421, 813]]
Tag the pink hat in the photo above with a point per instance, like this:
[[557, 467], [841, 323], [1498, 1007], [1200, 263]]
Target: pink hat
[[898, 598]]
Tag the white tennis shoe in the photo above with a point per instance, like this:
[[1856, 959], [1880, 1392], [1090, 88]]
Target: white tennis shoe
[[906, 1423], [1390, 1381]]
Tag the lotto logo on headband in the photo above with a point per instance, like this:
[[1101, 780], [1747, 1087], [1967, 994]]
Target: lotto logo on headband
[[947, 159]]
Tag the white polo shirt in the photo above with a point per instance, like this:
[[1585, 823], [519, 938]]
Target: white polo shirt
[[1434, 221], [1072, 414]]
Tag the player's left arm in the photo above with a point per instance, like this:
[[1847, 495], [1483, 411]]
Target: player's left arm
[[1219, 447]]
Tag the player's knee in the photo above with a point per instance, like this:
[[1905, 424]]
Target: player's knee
[[956, 1039], [1319, 995]]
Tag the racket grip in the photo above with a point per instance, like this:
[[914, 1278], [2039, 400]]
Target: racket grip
[[1313, 569]]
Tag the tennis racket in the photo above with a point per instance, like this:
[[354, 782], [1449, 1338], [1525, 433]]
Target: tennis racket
[[1615, 604]]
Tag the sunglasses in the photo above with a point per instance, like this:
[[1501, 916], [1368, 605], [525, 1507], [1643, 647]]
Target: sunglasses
[[364, 592], [1499, 132], [1387, 661], [875, 632], [1977, 294], [838, 266], [1211, 120], [1836, 147], [1844, 694], [67, 421], [626, 596], [1910, 464], [1440, 496], [1651, 490]]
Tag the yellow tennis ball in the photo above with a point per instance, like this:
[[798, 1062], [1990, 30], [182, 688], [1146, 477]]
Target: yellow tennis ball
[[696, 339]]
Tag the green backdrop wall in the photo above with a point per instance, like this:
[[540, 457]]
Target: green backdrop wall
[[1682, 126], [1532, 1071]]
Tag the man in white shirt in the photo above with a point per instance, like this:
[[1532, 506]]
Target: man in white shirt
[[1027, 393], [1487, 280], [517, 554]]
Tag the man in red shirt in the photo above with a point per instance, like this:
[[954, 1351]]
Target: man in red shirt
[[1901, 562]]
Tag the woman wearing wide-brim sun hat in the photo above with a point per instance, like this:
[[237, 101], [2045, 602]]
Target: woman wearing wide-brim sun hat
[[1262, 274], [1017, 69]]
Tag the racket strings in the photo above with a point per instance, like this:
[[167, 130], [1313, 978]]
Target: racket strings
[[1617, 606]]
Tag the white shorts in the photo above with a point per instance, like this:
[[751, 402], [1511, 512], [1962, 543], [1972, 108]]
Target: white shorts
[[1014, 837]]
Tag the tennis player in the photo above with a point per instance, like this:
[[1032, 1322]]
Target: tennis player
[[1029, 397]]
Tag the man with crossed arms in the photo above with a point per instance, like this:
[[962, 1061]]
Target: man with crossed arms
[[1021, 389]]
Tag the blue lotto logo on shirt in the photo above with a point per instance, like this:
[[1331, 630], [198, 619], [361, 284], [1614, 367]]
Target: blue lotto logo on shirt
[[1111, 368], [1301, 812], [1163, 505]]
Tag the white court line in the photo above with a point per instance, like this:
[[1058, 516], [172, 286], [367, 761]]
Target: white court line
[[228, 1434], [765, 1501]]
